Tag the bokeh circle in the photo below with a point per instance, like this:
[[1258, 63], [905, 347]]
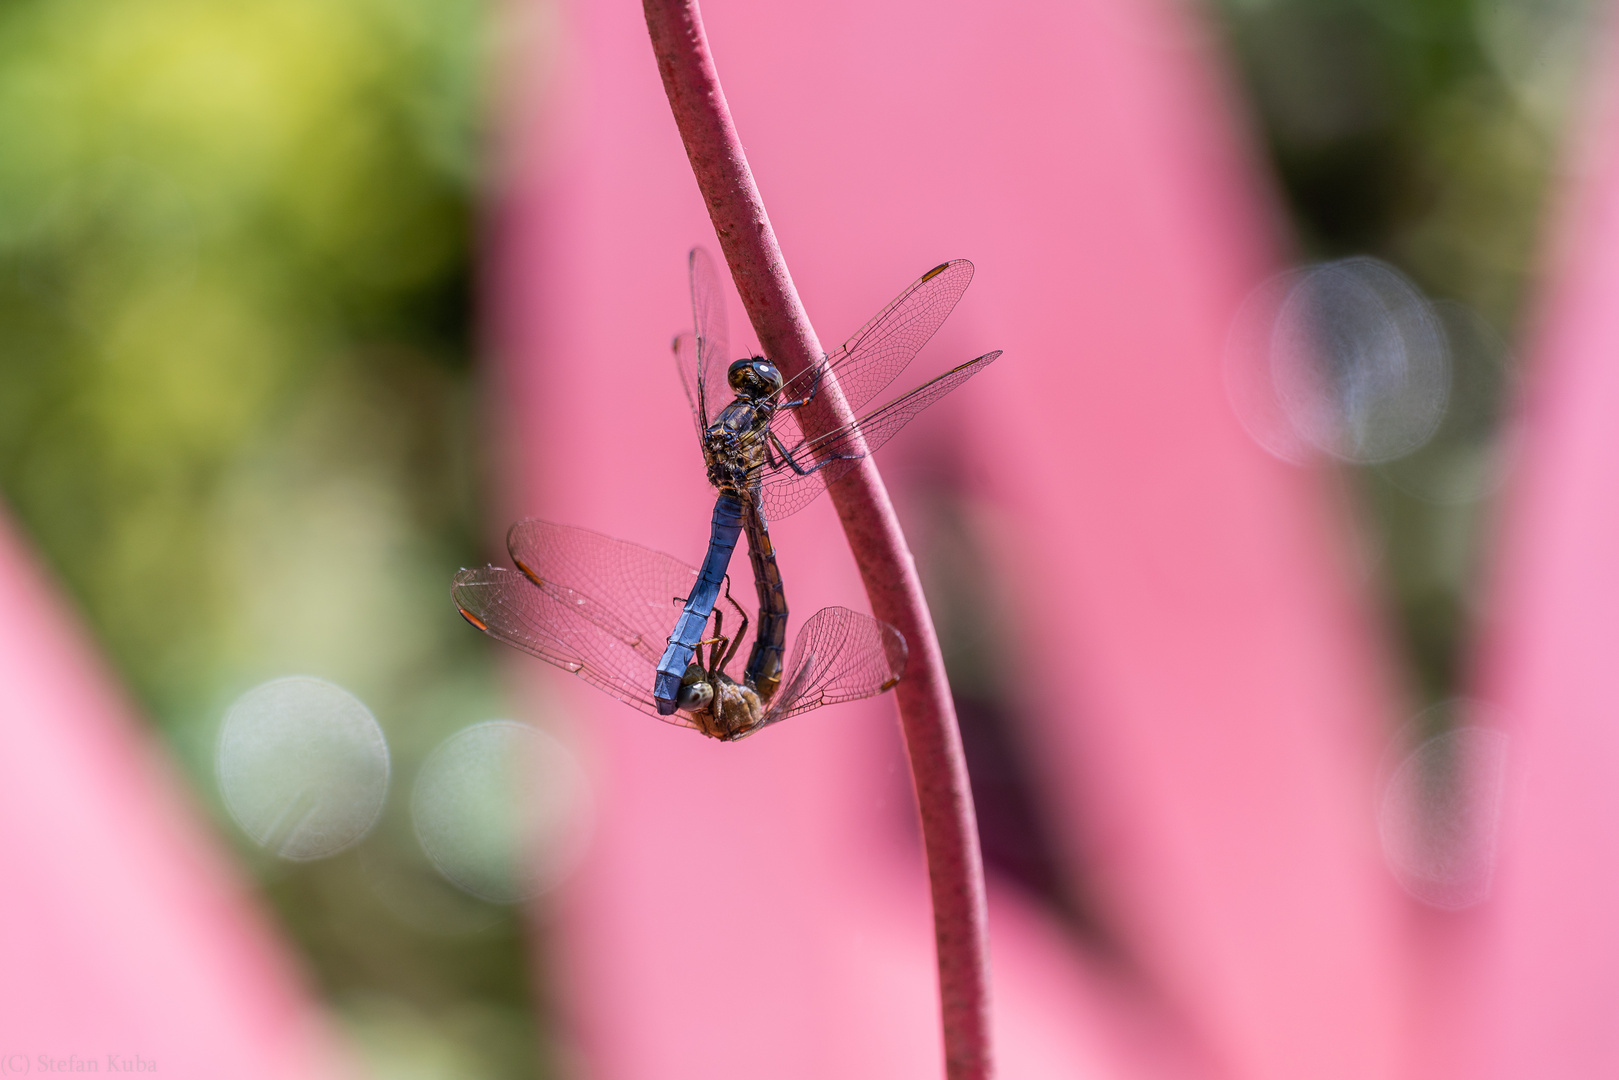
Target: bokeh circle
[[302, 767], [502, 810]]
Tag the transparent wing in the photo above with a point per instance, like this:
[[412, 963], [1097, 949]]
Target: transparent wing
[[881, 349], [598, 607], [631, 589], [686, 363], [826, 458], [505, 604], [712, 331], [839, 655]]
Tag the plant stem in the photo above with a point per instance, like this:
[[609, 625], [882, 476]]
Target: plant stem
[[927, 714]]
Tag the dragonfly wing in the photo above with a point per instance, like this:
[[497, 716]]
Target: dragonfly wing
[[882, 348], [507, 605], [632, 592], [685, 347], [713, 331], [598, 607], [839, 655], [824, 459]]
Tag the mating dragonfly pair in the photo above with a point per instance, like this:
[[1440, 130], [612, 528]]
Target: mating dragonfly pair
[[601, 607]]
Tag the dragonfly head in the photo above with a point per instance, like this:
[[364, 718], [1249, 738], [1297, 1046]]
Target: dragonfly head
[[695, 692], [754, 378]]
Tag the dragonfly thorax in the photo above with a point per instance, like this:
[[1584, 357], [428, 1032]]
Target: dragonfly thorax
[[734, 444]]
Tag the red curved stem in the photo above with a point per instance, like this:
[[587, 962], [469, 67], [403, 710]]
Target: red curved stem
[[932, 739]]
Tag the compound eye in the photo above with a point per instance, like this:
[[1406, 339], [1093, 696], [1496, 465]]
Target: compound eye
[[694, 696], [769, 378], [695, 693]]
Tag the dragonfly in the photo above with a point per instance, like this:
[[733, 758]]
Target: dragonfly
[[765, 466], [597, 607]]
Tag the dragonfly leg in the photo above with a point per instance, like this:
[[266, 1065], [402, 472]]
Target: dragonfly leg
[[829, 459], [791, 462], [719, 641], [736, 641], [815, 388], [787, 458]]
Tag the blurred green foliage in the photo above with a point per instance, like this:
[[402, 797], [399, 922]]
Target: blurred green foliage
[[219, 223], [235, 314], [1428, 133]]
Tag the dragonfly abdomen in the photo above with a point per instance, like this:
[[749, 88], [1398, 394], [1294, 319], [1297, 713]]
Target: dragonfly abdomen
[[705, 592], [763, 672]]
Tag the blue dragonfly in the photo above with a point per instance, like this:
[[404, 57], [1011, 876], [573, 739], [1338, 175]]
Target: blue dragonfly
[[765, 466], [597, 607]]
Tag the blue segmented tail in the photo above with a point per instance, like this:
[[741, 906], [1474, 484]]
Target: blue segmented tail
[[705, 593]]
